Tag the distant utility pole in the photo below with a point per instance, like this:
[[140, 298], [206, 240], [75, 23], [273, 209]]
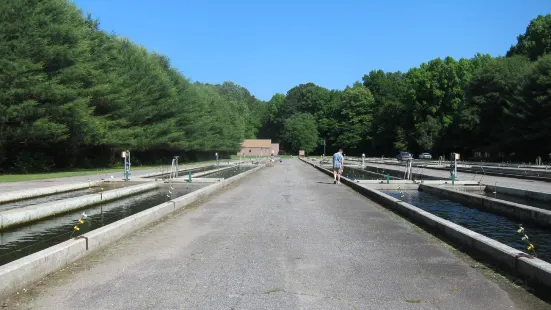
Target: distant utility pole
[[323, 147]]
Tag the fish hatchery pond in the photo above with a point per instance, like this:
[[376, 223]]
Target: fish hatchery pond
[[23, 240], [497, 227]]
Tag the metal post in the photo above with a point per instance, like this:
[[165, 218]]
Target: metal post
[[129, 164], [324, 147], [363, 160], [455, 167], [173, 169], [125, 174], [189, 177], [453, 171], [126, 155], [176, 166], [387, 179]]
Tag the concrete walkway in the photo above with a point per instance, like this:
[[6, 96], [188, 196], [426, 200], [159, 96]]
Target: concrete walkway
[[283, 238], [532, 185]]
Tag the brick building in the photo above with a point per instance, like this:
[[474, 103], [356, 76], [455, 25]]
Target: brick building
[[258, 147]]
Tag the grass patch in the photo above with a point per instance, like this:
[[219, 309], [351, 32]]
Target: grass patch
[[64, 174]]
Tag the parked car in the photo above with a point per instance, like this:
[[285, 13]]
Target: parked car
[[404, 156], [425, 156]]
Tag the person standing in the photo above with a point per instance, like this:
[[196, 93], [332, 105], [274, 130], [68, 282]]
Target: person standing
[[338, 166]]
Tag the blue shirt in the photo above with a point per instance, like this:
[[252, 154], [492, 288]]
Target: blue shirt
[[337, 160]]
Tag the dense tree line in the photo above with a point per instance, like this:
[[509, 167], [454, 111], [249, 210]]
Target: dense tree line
[[74, 96], [484, 106]]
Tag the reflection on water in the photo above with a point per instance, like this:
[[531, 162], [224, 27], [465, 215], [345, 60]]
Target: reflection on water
[[185, 172], [228, 173], [24, 240], [375, 173], [34, 201], [515, 199], [66, 195], [361, 174], [417, 173], [486, 223]]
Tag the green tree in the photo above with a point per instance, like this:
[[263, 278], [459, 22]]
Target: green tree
[[272, 122], [250, 110], [536, 41], [492, 92], [388, 90], [43, 70], [355, 117], [313, 99], [300, 132], [530, 126], [72, 95], [308, 98]]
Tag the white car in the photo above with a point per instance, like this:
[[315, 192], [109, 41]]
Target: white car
[[425, 156]]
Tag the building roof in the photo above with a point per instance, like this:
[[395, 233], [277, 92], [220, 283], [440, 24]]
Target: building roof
[[257, 143]]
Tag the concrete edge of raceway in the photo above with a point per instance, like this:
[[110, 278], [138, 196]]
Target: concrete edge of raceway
[[19, 216], [23, 272], [43, 191], [534, 271]]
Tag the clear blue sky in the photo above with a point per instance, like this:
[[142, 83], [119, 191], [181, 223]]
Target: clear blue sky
[[272, 46]]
